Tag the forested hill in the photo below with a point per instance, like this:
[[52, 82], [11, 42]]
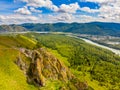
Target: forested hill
[[33, 61], [94, 28]]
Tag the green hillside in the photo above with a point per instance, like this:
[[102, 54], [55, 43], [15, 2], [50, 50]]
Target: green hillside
[[88, 61], [11, 77], [55, 62], [24, 65], [92, 28]]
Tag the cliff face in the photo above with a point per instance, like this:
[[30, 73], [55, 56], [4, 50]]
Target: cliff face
[[43, 66]]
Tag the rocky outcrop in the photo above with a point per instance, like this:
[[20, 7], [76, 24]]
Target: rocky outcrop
[[43, 66]]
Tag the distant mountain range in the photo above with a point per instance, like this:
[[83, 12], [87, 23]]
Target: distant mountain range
[[94, 28], [12, 28]]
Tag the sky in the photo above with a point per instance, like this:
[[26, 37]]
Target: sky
[[53, 11]]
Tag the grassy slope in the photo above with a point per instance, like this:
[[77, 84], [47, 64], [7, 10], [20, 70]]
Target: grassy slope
[[85, 57], [93, 84], [63, 59], [11, 77]]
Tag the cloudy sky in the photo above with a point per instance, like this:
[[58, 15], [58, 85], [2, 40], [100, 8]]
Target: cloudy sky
[[52, 11]]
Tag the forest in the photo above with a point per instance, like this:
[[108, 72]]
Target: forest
[[85, 59], [97, 67]]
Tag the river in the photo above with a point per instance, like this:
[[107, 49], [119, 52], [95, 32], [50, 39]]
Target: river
[[73, 35], [102, 46], [96, 44]]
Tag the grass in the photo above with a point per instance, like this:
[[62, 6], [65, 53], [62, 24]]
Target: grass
[[11, 77], [25, 41], [57, 55], [17, 41], [82, 76], [86, 77], [53, 85], [100, 63]]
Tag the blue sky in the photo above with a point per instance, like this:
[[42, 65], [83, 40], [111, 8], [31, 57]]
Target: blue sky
[[52, 11]]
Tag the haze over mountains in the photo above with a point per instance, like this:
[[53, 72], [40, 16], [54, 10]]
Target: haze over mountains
[[94, 28], [12, 28]]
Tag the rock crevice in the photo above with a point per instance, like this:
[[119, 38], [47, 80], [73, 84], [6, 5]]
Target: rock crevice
[[43, 66]]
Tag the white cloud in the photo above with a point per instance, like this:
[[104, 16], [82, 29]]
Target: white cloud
[[32, 9], [53, 18], [71, 8], [85, 18], [99, 1], [110, 12], [64, 17], [87, 9], [109, 9], [41, 18], [17, 19], [41, 3], [23, 10], [56, 17]]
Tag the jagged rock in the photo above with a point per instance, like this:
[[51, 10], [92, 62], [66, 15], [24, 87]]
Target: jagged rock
[[21, 64], [43, 66]]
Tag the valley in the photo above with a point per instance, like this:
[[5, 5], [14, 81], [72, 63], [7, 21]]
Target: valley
[[59, 44], [79, 65], [110, 41], [98, 43]]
